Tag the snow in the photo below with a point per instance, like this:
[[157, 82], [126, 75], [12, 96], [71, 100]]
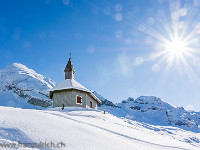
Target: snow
[[153, 110], [81, 128], [69, 84], [143, 123], [22, 69], [19, 85]]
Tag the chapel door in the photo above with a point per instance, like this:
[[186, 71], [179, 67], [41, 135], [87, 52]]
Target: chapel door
[[90, 104]]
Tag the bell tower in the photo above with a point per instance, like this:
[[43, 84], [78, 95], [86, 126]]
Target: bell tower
[[69, 70]]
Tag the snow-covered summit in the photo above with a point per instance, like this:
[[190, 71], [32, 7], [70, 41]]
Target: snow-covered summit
[[146, 103], [19, 85], [21, 71]]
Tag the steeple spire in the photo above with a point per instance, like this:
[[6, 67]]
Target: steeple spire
[[69, 70]]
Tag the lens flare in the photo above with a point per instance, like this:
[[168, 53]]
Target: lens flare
[[176, 40]]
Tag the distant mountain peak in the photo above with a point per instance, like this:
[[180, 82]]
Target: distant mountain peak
[[19, 65], [153, 110]]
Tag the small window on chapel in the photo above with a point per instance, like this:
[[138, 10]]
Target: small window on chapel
[[78, 100]]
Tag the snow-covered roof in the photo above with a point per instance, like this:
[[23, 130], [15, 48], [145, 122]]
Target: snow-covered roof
[[72, 84], [69, 84]]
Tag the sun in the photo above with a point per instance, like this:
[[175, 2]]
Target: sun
[[176, 47]]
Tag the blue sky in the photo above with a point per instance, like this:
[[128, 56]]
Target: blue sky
[[120, 49]]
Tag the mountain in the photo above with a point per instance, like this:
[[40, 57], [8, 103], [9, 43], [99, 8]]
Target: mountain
[[104, 102], [87, 129], [155, 111], [23, 87], [142, 123]]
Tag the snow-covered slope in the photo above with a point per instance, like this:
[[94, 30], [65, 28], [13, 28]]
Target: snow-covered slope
[[23, 87], [88, 129], [155, 111]]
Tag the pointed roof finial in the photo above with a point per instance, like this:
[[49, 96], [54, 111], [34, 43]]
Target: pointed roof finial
[[70, 54]]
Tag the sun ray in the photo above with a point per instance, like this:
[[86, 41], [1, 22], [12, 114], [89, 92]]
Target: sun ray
[[175, 37], [177, 46]]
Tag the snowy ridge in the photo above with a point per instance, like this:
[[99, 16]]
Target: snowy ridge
[[23, 87], [153, 110]]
